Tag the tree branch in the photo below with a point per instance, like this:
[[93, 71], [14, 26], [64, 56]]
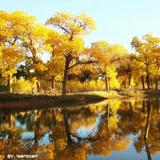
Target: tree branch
[[114, 60], [63, 28], [80, 63]]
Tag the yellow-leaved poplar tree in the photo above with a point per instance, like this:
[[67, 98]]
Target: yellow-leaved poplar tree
[[70, 43]]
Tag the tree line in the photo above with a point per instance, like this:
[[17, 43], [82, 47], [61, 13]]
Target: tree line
[[24, 41]]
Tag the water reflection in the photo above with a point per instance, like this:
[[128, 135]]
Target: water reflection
[[114, 129]]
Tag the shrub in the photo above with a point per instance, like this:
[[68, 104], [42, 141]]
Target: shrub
[[76, 86], [23, 86]]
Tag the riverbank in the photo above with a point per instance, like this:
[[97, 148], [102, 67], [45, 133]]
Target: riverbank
[[21, 101], [117, 94], [138, 93]]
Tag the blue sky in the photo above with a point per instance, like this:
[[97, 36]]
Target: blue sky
[[117, 21]]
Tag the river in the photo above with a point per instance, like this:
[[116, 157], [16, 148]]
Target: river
[[108, 130]]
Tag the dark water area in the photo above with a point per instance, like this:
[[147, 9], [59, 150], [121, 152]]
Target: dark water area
[[109, 130]]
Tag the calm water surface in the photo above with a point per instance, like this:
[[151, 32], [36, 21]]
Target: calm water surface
[[111, 130]]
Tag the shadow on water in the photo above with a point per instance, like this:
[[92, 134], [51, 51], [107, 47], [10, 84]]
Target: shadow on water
[[112, 129]]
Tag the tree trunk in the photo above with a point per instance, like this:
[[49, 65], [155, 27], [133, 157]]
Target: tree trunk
[[107, 116], [64, 82], [147, 150], [36, 134], [151, 83], [10, 83], [148, 119], [66, 125], [54, 129], [156, 84], [142, 80], [144, 106], [53, 85], [149, 108], [107, 82], [9, 120], [129, 80], [38, 87], [130, 107], [148, 81]]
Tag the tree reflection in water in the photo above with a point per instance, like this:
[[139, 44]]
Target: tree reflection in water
[[77, 132]]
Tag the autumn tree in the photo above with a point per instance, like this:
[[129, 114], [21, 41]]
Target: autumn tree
[[3, 26], [10, 57], [55, 74], [11, 51], [108, 57], [71, 44], [146, 56], [33, 41]]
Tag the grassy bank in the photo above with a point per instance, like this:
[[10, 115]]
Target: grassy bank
[[138, 93], [119, 94], [20, 101], [23, 101]]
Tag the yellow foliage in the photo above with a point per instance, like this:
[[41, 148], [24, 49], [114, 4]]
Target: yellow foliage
[[71, 24], [23, 86], [121, 145], [112, 123], [9, 58], [114, 83], [114, 106], [77, 86]]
